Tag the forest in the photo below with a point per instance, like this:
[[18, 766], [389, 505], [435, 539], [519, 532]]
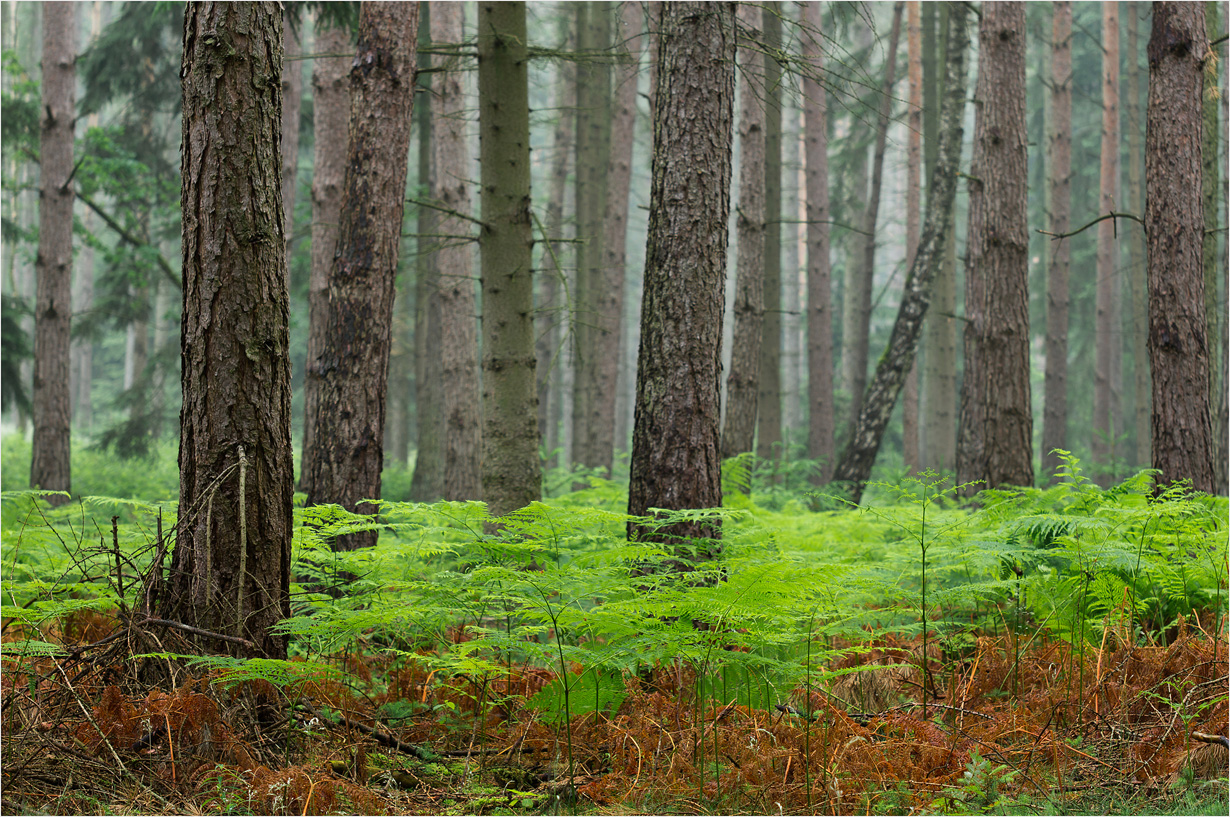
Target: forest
[[614, 407]]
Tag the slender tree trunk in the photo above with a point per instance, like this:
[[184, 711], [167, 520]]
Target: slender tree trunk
[[769, 402], [996, 421], [50, 464], [911, 454], [676, 461], [354, 364], [82, 364], [1136, 238], [330, 120], [292, 95], [742, 384], [512, 472], [1105, 331], [820, 428], [462, 404], [1059, 162], [1212, 185], [230, 572], [859, 455], [1174, 224]]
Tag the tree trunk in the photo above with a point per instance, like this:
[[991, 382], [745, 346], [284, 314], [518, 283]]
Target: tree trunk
[[230, 572], [1212, 184], [50, 463], [769, 402], [292, 95], [820, 428], [676, 461], [1174, 224], [911, 454], [354, 364], [742, 384], [454, 262], [330, 121], [1137, 263], [1106, 333], [512, 471], [859, 455]]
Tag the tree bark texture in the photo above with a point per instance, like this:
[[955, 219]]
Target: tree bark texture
[[512, 471], [996, 424], [911, 454], [354, 364], [743, 382], [769, 403], [859, 455], [1106, 332], [676, 461], [1174, 224], [230, 572], [330, 121], [821, 414], [50, 463], [1059, 165], [463, 433]]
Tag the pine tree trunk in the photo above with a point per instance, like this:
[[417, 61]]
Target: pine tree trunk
[[354, 363], [1106, 334], [676, 461], [769, 402], [1212, 186], [50, 464], [454, 261], [859, 455], [996, 422], [292, 94], [512, 472], [820, 428], [1174, 224], [742, 384], [911, 454], [1137, 253], [230, 572]]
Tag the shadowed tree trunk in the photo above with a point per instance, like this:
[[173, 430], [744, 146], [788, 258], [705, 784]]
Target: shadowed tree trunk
[[1106, 332], [676, 462], [230, 572], [354, 363], [769, 403], [50, 462], [1174, 224], [512, 471]]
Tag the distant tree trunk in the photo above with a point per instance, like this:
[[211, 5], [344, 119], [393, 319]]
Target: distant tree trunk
[[354, 363], [230, 572], [512, 471], [911, 454], [82, 364], [1106, 334], [859, 455], [676, 461], [769, 402], [50, 464], [742, 384], [820, 442], [1174, 224], [996, 422], [1212, 186], [330, 121], [1059, 163], [292, 94], [1135, 201], [463, 433]]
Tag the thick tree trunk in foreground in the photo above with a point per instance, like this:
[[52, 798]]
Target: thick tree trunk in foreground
[[881, 396], [512, 471], [230, 572], [50, 463], [676, 463], [996, 424], [743, 382], [1106, 332], [1174, 224], [353, 366]]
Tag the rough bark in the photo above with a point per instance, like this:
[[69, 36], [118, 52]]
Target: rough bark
[[821, 415], [50, 463], [1059, 163], [881, 396], [676, 461], [1106, 334], [995, 437], [230, 572], [354, 363], [330, 120], [1137, 253], [742, 384], [769, 402], [454, 261], [1174, 224], [910, 448], [512, 472]]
